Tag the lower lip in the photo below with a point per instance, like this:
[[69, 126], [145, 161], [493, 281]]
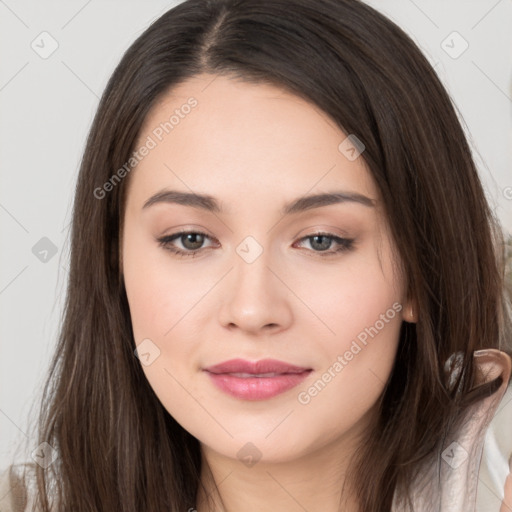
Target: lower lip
[[257, 388]]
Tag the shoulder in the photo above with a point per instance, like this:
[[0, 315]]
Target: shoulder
[[17, 487], [477, 441], [495, 477], [478, 437], [450, 480]]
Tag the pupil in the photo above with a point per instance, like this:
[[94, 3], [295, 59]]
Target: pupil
[[192, 237], [326, 241]]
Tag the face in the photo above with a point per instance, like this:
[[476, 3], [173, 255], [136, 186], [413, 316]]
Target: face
[[249, 273]]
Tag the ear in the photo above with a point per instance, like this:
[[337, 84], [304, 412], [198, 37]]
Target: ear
[[410, 311], [491, 363]]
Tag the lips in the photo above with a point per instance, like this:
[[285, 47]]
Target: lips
[[261, 368], [258, 380]]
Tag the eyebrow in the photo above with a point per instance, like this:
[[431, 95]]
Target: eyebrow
[[209, 203]]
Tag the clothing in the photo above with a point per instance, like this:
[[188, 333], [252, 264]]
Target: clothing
[[450, 485], [452, 482]]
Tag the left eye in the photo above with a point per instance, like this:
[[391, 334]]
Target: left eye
[[192, 242], [324, 241]]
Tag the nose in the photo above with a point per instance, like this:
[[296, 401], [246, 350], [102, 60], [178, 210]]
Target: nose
[[255, 297]]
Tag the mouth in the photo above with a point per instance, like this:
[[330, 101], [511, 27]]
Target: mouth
[[258, 375], [258, 380]]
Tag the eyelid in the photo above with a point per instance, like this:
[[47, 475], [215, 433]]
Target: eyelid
[[322, 228]]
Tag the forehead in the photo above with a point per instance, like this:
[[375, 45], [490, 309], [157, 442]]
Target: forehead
[[214, 134]]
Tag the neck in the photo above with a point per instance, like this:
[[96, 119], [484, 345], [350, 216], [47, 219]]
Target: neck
[[312, 482]]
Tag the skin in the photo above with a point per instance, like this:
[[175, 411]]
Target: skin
[[256, 148], [506, 504]]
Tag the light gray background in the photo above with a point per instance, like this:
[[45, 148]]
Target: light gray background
[[47, 105]]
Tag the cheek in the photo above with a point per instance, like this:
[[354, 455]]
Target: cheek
[[360, 307], [351, 298], [160, 301], [360, 310], [356, 359], [159, 296], [165, 301]]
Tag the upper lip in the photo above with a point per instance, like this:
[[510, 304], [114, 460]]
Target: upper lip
[[256, 367]]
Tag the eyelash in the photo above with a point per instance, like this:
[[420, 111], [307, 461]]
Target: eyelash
[[345, 244]]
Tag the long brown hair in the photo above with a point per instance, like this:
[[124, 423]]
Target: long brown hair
[[118, 448]]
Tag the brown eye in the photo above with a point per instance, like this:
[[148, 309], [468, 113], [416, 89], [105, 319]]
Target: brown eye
[[191, 242], [195, 240]]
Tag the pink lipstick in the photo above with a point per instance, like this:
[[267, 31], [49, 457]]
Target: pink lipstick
[[257, 380]]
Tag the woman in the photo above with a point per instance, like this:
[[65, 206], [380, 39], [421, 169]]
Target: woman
[[286, 283]]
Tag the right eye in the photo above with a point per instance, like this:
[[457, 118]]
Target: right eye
[[191, 242]]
